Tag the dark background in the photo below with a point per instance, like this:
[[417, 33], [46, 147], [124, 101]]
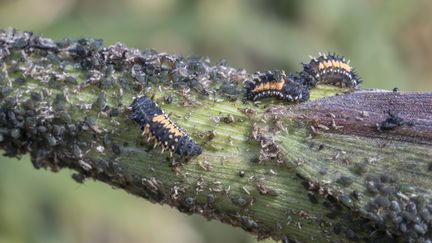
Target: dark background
[[388, 42]]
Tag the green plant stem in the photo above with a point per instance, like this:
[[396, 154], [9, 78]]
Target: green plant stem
[[298, 172]]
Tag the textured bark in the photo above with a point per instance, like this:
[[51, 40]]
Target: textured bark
[[353, 166]]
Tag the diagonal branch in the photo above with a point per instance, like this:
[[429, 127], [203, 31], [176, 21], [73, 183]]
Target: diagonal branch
[[356, 165]]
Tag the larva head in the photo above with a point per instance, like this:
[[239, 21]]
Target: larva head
[[294, 89], [249, 87], [187, 147]]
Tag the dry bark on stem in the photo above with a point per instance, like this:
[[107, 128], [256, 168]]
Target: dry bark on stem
[[369, 109], [334, 169]]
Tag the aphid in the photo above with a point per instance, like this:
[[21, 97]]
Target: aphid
[[276, 84], [337, 228], [242, 173], [393, 121], [78, 177], [210, 199], [346, 200], [383, 201], [189, 201], [154, 123], [345, 180], [330, 69]]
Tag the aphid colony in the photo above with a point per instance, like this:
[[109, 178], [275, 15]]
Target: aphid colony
[[156, 124], [325, 69]]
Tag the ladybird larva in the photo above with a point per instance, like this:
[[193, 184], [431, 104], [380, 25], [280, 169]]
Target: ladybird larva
[[156, 124], [276, 84], [330, 69]]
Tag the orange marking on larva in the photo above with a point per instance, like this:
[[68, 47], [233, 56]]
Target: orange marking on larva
[[346, 67], [178, 133], [335, 64], [174, 130], [159, 118], [331, 64], [258, 88], [277, 85], [167, 124], [269, 86], [261, 87], [325, 65]]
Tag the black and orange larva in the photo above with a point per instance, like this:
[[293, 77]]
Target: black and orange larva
[[330, 69], [156, 124], [276, 84]]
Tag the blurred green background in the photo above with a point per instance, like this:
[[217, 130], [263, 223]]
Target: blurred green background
[[388, 42]]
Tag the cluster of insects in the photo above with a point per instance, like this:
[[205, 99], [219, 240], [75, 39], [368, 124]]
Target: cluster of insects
[[325, 69]]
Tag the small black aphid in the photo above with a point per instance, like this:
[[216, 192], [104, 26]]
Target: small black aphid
[[391, 122], [345, 181], [78, 177], [242, 173], [168, 99]]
